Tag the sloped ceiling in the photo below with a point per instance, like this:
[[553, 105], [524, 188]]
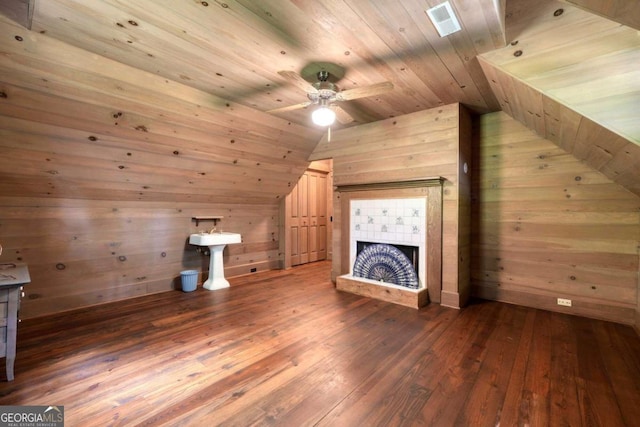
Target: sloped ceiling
[[626, 12], [574, 78], [575, 81]]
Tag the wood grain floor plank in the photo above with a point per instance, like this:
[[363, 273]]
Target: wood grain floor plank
[[595, 390], [484, 402], [563, 397], [623, 387], [534, 407], [510, 411], [286, 348]]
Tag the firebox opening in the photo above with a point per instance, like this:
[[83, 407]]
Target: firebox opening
[[391, 263]]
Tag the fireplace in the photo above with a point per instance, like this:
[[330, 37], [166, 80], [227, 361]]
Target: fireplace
[[392, 241]]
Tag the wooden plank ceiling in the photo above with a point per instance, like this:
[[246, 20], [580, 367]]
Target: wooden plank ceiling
[[234, 50]]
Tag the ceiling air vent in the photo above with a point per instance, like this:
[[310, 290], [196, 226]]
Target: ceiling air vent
[[444, 19]]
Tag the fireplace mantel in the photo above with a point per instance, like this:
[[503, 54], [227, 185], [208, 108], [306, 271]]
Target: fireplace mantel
[[370, 186], [429, 188]]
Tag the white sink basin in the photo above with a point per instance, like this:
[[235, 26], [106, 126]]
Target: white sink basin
[[213, 239], [216, 243]]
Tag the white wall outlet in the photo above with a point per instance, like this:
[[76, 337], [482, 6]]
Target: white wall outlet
[[564, 301]]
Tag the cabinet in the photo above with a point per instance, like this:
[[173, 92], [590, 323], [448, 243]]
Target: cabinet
[[12, 278]]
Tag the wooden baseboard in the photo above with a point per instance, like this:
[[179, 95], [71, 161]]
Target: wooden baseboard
[[586, 308], [450, 299], [241, 270], [408, 298]]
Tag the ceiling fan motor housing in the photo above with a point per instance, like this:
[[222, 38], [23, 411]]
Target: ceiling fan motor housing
[[324, 88]]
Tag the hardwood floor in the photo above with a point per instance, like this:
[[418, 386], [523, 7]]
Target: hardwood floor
[[286, 348]]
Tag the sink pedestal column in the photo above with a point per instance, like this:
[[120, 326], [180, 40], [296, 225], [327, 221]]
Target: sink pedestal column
[[216, 278]]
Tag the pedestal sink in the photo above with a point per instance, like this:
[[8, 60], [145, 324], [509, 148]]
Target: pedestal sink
[[216, 242]]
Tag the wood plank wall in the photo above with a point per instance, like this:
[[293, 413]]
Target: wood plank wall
[[545, 225], [417, 145], [87, 252], [102, 167]]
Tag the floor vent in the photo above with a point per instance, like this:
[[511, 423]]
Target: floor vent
[[444, 19]]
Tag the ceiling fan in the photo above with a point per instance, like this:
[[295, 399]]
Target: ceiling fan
[[325, 94]]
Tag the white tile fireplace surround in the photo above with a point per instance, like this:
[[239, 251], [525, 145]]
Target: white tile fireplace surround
[[389, 221]]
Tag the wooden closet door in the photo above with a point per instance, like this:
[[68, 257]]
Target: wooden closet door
[[308, 219], [298, 222], [317, 184]]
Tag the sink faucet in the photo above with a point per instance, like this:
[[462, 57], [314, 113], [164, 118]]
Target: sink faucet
[[213, 230]]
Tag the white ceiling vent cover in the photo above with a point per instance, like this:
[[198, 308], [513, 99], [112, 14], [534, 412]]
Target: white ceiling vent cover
[[444, 19]]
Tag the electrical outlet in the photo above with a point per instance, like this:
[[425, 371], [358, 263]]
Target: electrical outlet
[[565, 302]]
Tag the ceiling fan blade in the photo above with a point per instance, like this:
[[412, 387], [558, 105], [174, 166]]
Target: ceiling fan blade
[[290, 107], [342, 116], [357, 114], [297, 80], [363, 92]]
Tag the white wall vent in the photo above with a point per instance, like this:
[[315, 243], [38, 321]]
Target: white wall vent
[[444, 19]]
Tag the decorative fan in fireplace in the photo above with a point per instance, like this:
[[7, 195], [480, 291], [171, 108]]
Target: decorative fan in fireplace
[[385, 263]]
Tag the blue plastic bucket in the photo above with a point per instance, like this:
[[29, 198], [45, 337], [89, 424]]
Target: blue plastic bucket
[[189, 280]]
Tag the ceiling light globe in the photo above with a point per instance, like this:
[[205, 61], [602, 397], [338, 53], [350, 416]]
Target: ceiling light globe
[[323, 116]]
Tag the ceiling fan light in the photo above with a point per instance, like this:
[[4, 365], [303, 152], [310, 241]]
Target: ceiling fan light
[[323, 116]]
